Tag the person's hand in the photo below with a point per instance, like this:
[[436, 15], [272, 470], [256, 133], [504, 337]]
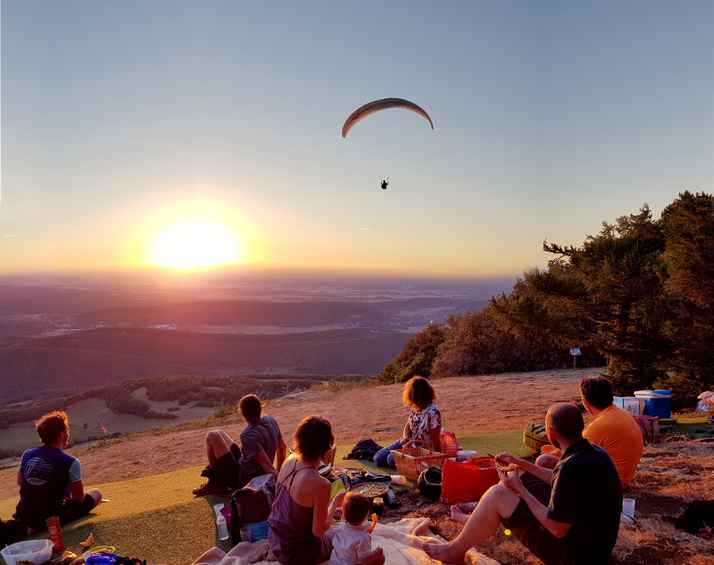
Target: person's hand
[[339, 497], [511, 480], [506, 460]]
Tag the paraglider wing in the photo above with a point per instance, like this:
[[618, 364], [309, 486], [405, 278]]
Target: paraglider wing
[[383, 104]]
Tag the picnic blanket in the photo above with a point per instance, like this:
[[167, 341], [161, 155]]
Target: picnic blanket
[[400, 541]]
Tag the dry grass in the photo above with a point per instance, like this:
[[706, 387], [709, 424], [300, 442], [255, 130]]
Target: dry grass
[[673, 474]]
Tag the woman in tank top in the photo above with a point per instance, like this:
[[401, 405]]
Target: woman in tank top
[[301, 521]]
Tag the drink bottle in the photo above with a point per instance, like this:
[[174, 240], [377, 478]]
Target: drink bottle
[[222, 527]]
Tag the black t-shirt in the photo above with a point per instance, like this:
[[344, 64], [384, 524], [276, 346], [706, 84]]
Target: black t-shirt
[[587, 493]]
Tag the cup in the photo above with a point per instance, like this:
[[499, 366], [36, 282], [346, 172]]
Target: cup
[[245, 534], [628, 507], [53, 528], [378, 505], [217, 509]]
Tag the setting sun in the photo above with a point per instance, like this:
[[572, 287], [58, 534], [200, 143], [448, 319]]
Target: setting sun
[[197, 243]]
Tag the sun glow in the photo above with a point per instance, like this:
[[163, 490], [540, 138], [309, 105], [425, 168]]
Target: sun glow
[[198, 242]]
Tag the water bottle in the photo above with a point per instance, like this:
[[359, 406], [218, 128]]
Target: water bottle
[[222, 527]]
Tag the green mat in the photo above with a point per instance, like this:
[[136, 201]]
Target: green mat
[[158, 519]]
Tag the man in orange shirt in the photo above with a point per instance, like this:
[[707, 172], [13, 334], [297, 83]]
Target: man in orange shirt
[[614, 429]]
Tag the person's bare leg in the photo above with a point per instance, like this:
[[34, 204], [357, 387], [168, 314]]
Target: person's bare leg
[[498, 503], [218, 443], [96, 494], [459, 516], [547, 461], [376, 557]]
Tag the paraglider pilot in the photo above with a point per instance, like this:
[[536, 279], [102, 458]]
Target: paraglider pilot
[[385, 183]]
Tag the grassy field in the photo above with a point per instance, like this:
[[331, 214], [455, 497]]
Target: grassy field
[[158, 519]]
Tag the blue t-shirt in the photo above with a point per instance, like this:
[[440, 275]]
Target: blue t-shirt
[[45, 474], [264, 435]]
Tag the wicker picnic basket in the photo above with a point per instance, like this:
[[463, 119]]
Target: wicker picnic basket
[[412, 460]]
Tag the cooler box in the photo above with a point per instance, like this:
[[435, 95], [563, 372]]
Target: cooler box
[[656, 402], [629, 403]]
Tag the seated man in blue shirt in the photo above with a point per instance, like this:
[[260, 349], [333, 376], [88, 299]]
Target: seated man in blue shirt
[[51, 480], [566, 516]]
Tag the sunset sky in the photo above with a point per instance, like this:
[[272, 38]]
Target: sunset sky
[[191, 133]]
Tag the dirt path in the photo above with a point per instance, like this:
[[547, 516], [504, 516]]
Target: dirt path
[[501, 402]]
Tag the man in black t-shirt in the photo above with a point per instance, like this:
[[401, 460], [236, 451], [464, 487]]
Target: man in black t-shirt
[[567, 516]]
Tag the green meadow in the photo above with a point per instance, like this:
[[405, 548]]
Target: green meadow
[[158, 519]]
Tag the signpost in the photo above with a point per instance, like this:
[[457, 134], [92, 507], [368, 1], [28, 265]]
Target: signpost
[[575, 351]]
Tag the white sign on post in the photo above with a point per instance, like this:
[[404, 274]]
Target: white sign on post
[[575, 351]]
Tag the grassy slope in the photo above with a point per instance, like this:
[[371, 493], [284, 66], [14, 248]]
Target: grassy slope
[[158, 519]]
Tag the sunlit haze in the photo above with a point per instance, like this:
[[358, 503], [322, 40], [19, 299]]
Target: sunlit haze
[[196, 243], [196, 135]]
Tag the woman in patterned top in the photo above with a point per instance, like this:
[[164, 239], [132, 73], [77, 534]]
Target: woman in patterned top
[[424, 421]]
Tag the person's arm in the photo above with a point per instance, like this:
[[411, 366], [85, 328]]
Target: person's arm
[[323, 511], [513, 481], [76, 489], [542, 473], [436, 438], [407, 436], [281, 453], [19, 478], [262, 459]]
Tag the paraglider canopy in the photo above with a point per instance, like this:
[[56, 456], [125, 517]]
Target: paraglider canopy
[[383, 104]]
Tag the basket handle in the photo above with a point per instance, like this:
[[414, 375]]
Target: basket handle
[[426, 445]]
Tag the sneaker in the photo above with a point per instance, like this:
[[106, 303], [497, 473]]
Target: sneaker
[[209, 488]]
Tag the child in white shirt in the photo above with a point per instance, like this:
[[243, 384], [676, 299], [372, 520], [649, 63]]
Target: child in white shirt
[[352, 544]]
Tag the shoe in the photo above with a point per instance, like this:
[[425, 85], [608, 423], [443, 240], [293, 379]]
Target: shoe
[[209, 488]]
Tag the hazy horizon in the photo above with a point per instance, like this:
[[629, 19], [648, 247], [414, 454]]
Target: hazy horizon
[[191, 134]]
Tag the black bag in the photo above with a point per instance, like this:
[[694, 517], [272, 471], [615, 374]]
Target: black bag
[[255, 499], [365, 449], [429, 483], [696, 516]]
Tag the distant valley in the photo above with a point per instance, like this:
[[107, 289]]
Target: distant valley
[[63, 337]]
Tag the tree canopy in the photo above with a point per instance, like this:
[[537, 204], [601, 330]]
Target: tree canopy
[[639, 296]]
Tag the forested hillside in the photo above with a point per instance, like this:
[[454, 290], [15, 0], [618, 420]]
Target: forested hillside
[[91, 358], [638, 296]]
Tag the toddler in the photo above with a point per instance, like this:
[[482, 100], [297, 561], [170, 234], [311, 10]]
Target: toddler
[[352, 544]]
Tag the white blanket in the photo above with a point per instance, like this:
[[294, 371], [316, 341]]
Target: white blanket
[[399, 540]]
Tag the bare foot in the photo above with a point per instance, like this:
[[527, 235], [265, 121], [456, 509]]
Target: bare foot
[[444, 552], [459, 516]]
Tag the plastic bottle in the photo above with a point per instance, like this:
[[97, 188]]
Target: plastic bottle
[[222, 527]]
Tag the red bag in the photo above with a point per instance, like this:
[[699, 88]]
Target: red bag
[[467, 481], [449, 444], [649, 426]]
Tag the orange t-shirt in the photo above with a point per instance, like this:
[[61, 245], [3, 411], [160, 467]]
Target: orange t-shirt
[[616, 431]]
